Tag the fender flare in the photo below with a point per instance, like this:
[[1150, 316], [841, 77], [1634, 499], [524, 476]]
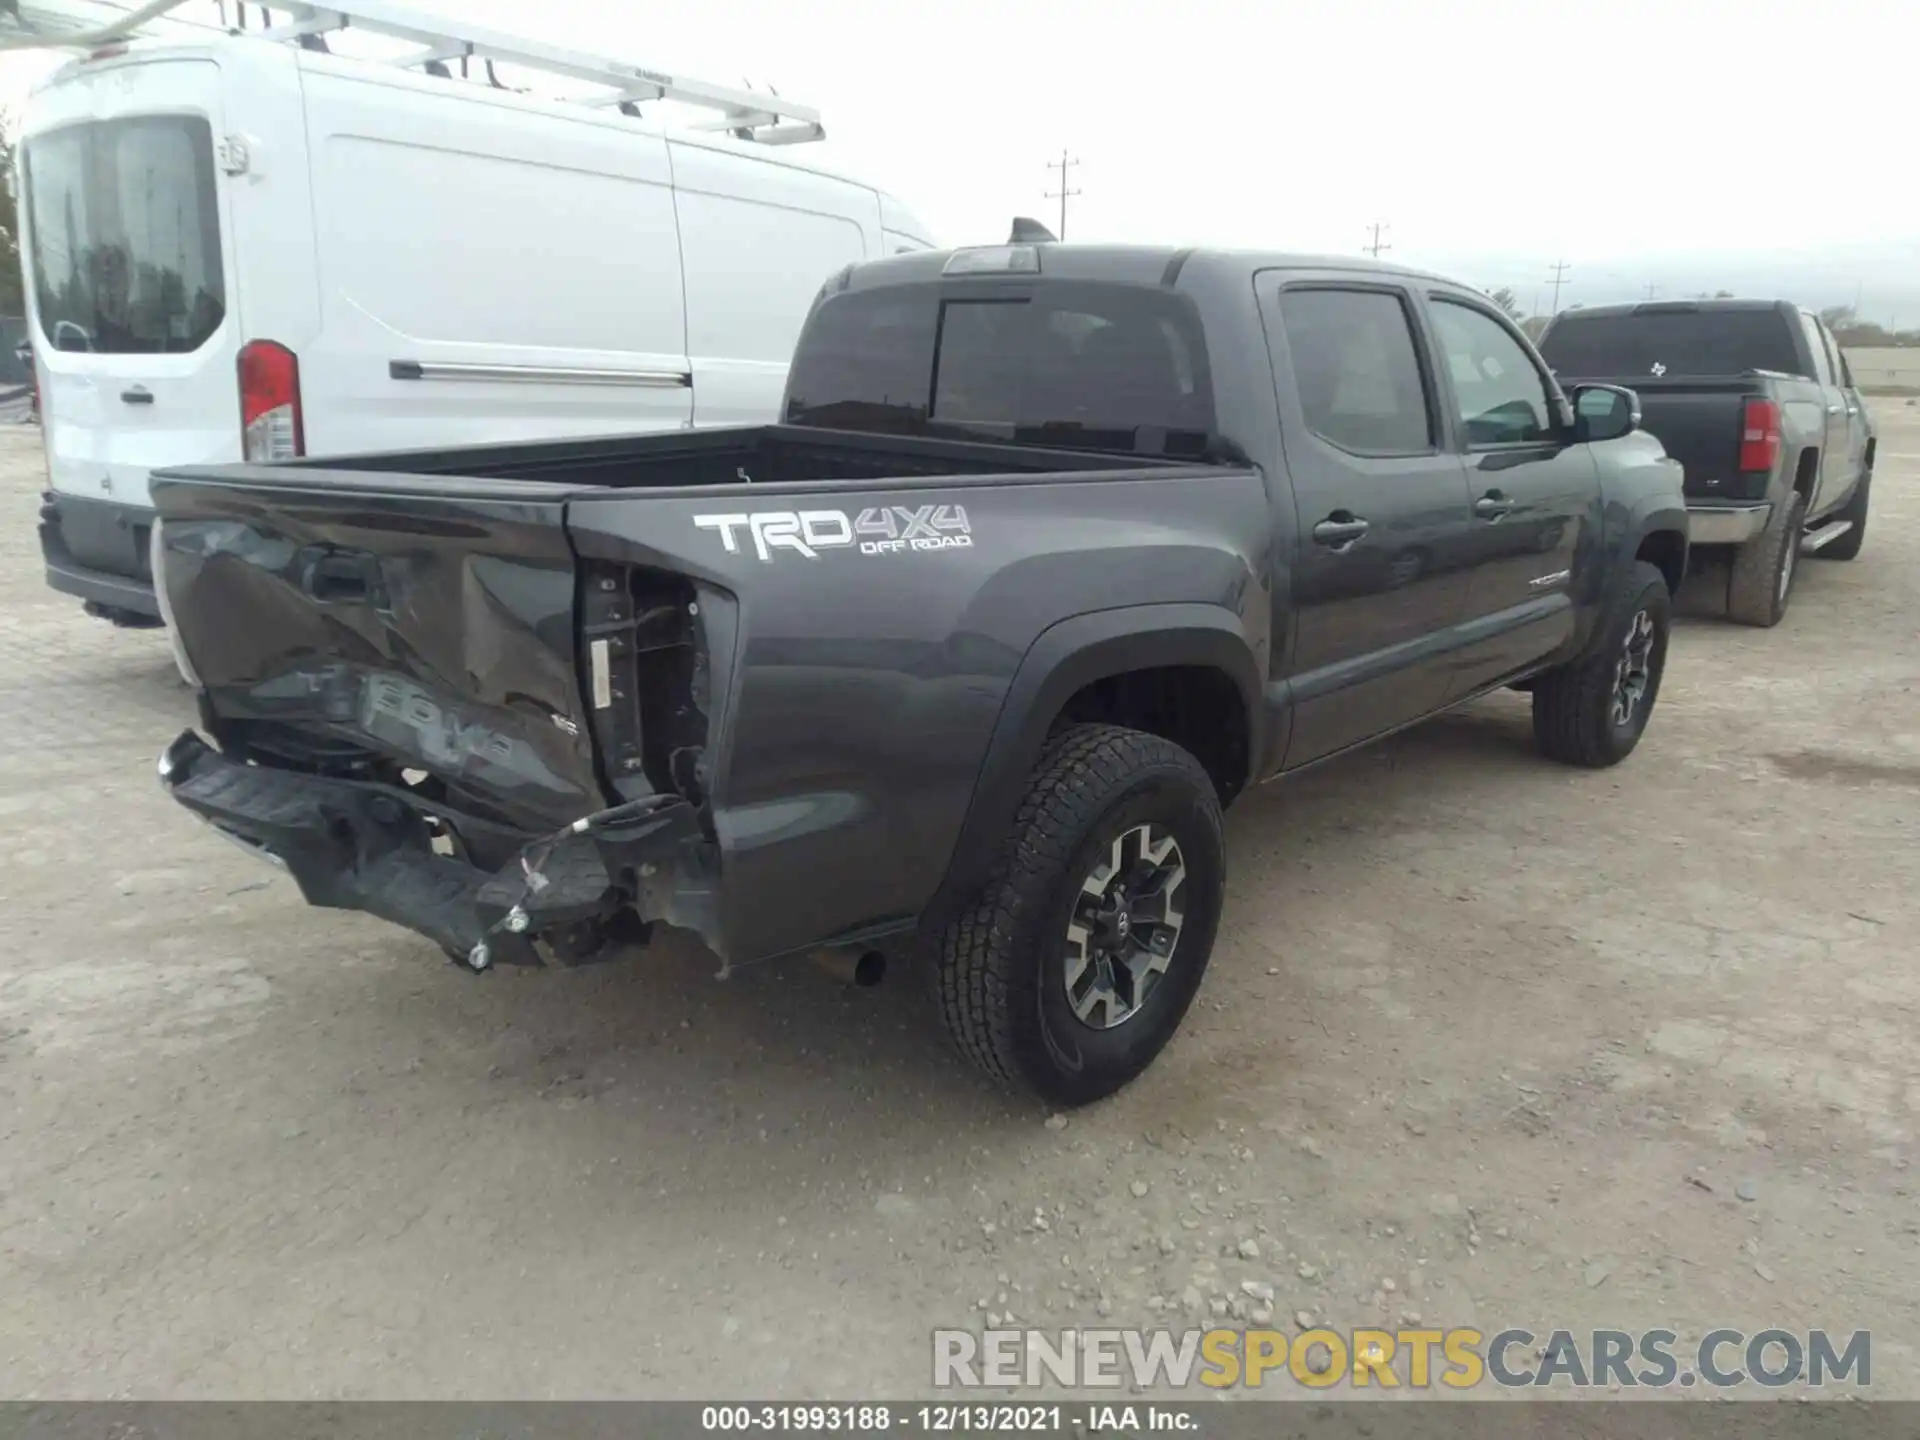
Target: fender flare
[[1063, 659], [1658, 517]]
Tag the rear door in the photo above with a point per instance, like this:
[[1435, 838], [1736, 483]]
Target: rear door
[[131, 275], [1833, 416], [1534, 494], [1851, 456], [1379, 578]]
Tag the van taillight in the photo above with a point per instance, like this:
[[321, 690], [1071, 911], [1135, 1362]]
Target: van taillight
[[1760, 436], [270, 422]]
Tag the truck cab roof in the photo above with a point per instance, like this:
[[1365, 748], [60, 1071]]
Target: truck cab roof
[[1117, 264]]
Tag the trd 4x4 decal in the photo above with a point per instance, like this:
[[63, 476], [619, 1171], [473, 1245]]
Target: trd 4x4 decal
[[877, 530]]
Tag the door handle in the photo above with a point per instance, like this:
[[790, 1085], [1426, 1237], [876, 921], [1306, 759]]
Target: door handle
[[1853, 409], [1339, 530], [341, 577], [1492, 505], [1833, 409], [137, 395]]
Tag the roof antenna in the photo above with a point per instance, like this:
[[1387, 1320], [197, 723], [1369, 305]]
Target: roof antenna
[[1029, 232]]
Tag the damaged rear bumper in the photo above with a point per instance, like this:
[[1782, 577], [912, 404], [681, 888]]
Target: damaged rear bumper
[[351, 845]]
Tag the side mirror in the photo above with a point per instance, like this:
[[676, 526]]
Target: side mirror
[[1604, 412]]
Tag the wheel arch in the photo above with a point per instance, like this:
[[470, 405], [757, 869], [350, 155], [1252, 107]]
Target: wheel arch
[[1664, 546], [1072, 661], [1806, 473]]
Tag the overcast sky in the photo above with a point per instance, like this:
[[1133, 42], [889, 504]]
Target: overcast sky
[[1631, 137]]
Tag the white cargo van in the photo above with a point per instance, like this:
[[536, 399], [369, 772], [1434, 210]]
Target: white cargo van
[[246, 246]]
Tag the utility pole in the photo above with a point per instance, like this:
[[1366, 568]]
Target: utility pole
[[1063, 194], [1559, 268], [1652, 290], [1376, 245]]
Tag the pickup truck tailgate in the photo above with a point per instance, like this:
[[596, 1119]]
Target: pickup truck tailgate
[[1697, 421], [431, 623]]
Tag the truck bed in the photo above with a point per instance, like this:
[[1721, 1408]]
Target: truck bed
[[758, 455], [509, 638]]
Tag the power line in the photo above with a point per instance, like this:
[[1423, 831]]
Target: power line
[[1376, 245], [1559, 268], [1063, 194]]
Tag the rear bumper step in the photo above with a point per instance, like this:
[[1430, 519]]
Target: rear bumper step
[[355, 846]]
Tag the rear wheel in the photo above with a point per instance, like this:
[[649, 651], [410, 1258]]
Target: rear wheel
[[1080, 958], [1855, 513], [1592, 711], [1764, 567]]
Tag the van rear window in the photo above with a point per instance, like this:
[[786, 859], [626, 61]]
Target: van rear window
[[125, 235], [1680, 342], [1080, 367]]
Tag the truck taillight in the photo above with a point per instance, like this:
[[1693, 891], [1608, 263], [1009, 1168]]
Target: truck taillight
[[270, 423], [1760, 436]]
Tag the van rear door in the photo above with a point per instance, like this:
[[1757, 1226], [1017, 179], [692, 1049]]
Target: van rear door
[[134, 311]]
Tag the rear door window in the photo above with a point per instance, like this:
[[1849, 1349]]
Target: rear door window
[[125, 242], [1357, 371], [1816, 350], [1088, 367]]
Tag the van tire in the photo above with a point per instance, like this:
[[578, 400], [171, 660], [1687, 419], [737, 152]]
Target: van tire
[[1765, 567], [1575, 720], [999, 972], [1855, 511]]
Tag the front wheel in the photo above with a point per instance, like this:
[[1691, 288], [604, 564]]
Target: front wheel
[[1592, 711], [1079, 960]]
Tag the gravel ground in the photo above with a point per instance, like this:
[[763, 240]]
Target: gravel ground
[[1485, 1040]]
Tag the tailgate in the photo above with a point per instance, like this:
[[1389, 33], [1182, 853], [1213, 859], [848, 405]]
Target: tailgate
[[1697, 421], [428, 626], [1699, 424]]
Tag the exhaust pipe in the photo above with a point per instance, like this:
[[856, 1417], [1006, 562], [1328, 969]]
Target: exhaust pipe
[[864, 968]]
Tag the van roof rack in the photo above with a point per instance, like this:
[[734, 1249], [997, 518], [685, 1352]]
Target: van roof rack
[[91, 24]]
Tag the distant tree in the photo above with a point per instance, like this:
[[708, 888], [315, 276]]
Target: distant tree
[[1723, 294], [1839, 317], [11, 300], [1534, 325], [1503, 297]]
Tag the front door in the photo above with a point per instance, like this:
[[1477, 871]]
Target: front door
[[1535, 495], [1381, 511]]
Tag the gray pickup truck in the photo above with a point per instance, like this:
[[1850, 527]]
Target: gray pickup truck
[[1059, 549], [1756, 402]]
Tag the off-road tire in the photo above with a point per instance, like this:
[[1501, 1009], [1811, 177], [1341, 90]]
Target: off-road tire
[[997, 972], [1573, 706], [1755, 592], [1848, 545]]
